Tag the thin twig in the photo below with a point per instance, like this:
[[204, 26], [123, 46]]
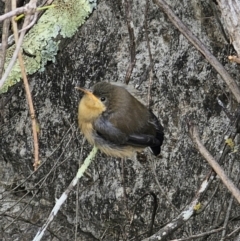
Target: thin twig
[[64, 196], [31, 7], [200, 47], [199, 235], [185, 215], [162, 190], [124, 186], [212, 162], [13, 13], [77, 194], [149, 52], [228, 213], [5, 30], [132, 41], [27, 88], [154, 211]]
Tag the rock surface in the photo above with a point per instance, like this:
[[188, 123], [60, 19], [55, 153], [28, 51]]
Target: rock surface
[[184, 86]]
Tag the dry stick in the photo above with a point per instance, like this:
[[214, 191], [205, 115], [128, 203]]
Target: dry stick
[[212, 162], [14, 13], [77, 194], [199, 235], [132, 41], [228, 212], [233, 232], [185, 215], [200, 47], [27, 88], [31, 9], [4, 45], [149, 52], [64, 196], [161, 189]]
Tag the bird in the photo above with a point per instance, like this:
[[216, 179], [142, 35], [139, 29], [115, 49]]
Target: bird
[[118, 124]]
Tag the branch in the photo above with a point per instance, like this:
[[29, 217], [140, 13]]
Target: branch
[[149, 53], [13, 13], [64, 196], [212, 162], [200, 47], [5, 30], [31, 8], [26, 85], [199, 235], [185, 215], [132, 42]]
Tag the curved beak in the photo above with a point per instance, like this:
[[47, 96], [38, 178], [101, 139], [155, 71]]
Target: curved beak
[[89, 95], [85, 91]]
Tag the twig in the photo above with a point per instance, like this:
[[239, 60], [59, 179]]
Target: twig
[[149, 52], [124, 186], [64, 196], [31, 6], [162, 190], [215, 13], [212, 162], [185, 215], [227, 218], [30, 24], [14, 13], [132, 41], [77, 194], [200, 47], [27, 88], [4, 45], [233, 232], [228, 212], [199, 235], [155, 206]]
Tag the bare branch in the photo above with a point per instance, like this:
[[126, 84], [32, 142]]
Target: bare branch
[[199, 235], [212, 162], [132, 41], [149, 52], [64, 195], [185, 215], [15, 12], [228, 213], [31, 7], [5, 30], [26, 85], [200, 47]]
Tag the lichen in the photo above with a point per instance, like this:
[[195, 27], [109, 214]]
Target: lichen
[[40, 44]]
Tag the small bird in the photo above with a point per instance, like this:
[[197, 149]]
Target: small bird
[[116, 122]]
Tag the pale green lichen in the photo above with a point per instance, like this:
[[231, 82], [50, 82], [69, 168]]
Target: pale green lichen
[[40, 42]]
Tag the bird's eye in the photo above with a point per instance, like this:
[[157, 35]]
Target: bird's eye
[[102, 99]]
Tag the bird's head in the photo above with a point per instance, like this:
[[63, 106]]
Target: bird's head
[[90, 106]]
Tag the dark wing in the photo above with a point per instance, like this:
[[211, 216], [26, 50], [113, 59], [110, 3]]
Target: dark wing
[[142, 140], [109, 132], [156, 149], [106, 130]]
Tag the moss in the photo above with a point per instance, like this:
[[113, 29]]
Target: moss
[[40, 43]]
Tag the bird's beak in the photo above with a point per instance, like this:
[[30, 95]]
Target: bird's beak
[[89, 94], [83, 90], [90, 101]]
